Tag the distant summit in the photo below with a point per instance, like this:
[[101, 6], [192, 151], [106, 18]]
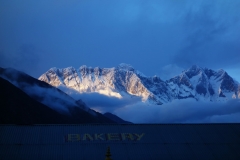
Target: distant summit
[[126, 67], [196, 82]]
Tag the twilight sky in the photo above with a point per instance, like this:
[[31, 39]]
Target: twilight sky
[[157, 37]]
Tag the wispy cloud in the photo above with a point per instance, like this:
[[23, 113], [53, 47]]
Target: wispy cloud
[[178, 111], [50, 96], [104, 103]]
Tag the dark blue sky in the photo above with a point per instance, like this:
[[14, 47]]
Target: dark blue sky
[[159, 37]]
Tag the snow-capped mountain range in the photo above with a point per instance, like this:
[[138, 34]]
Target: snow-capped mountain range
[[196, 82]]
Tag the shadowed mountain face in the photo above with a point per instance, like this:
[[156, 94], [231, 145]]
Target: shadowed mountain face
[[18, 108], [36, 102], [204, 84], [116, 118], [195, 82]]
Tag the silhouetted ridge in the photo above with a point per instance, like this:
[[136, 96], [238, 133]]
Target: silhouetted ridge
[[23, 104]]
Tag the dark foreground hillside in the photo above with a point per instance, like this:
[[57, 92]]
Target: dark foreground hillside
[[16, 107], [116, 118]]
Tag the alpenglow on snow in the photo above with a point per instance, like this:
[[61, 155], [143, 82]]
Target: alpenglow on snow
[[196, 82]]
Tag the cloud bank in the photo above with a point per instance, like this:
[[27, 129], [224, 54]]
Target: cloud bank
[[178, 111], [182, 111], [131, 108], [100, 102]]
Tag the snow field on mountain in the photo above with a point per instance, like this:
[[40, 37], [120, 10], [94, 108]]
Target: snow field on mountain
[[196, 82]]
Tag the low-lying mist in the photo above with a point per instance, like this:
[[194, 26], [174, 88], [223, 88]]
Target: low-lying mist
[[178, 111]]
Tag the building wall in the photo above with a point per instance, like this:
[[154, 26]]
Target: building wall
[[127, 141]]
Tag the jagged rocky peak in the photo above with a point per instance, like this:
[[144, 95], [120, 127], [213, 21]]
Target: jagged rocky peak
[[182, 79], [83, 67], [195, 68], [156, 79], [85, 70], [69, 69], [140, 74], [125, 67], [209, 72], [227, 83], [193, 71], [195, 82], [97, 71], [238, 91], [53, 70], [222, 74]]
